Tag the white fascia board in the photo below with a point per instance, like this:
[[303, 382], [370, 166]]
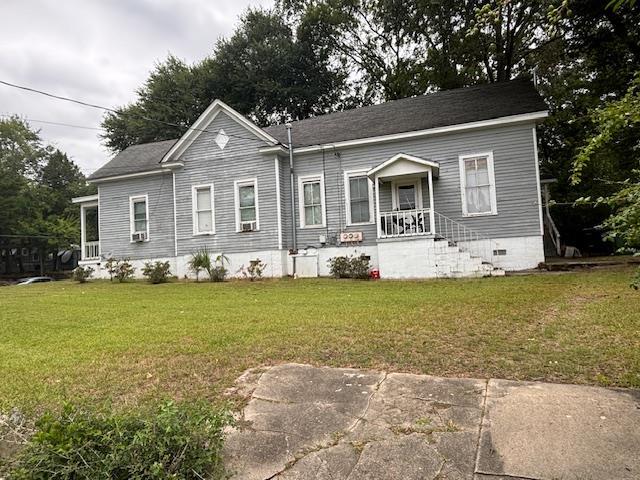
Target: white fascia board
[[526, 117], [85, 199], [129, 175], [402, 156], [203, 122], [275, 149]]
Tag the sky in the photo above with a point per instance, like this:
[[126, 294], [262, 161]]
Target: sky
[[98, 51]]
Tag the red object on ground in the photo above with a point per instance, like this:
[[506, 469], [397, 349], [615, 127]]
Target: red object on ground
[[374, 274]]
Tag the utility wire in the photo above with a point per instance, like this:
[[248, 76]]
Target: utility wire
[[8, 115]]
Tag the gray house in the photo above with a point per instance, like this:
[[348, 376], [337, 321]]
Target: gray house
[[438, 185]]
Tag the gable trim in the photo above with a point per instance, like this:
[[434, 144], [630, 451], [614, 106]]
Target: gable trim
[[427, 163], [205, 119]]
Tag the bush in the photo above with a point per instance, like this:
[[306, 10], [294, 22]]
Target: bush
[[254, 271], [201, 260], [172, 441], [218, 272], [350, 267], [82, 274], [157, 272], [121, 270]]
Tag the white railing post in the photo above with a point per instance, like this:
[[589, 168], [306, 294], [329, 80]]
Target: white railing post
[[432, 222], [378, 213]]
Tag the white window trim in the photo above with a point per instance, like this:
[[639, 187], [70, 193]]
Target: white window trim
[[492, 184], [348, 174], [301, 181], [416, 182], [194, 213], [236, 198], [132, 228]]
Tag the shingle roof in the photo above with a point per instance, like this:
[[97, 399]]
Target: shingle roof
[[449, 107], [135, 159]]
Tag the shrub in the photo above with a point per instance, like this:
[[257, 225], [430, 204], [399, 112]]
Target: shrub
[[111, 265], [218, 272], [156, 272], [350, 267], [123, 270], [201, 260], [339, 267], [172, 441], [82, 274], [254, 270]]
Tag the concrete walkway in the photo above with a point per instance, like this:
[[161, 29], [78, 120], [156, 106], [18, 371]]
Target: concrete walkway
[[303, 422]]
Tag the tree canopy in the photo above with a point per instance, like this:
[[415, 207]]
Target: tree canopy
[[41, 181], [267, 70]]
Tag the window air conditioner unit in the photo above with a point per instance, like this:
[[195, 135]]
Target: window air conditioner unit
[[248, 226], [139, 237]]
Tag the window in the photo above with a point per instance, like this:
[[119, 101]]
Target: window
[[311, 195], [407, 194], [478, 185], [139, 212], [359, 197], [203, 216], [246, 198]]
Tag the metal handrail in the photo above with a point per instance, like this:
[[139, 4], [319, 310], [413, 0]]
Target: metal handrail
[[477, 244]]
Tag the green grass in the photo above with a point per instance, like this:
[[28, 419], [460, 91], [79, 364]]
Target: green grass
[[135, 342]]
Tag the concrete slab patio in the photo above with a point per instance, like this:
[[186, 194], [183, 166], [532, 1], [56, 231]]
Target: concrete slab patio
[[304, 422]]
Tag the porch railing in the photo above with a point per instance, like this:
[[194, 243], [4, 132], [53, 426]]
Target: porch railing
[[477, 244], [405, 223], [91, 250]]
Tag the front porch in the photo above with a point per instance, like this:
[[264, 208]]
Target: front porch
[[89, 228], [404, 196]]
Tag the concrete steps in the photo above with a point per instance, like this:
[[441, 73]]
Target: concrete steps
[[453, 262]]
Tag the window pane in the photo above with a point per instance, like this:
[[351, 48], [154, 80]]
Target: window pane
[[313, 215], [140, 225], [360, 211], [407, 197], [203, 199], [139, 209], [247, 196], [316, 193], [247, 214], [308, 193], [205, 221], [358, 188], [479, 199]]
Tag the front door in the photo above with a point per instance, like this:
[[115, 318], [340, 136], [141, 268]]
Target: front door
[[406, 195]]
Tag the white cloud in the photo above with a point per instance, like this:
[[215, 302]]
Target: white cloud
[[100, 52]]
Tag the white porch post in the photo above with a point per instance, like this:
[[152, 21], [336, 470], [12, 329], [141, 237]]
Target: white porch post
[[432, 216], [83, 232], [378, 226]]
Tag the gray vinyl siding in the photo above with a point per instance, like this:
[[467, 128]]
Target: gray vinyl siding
[[206, 163], [114, 217], [514, 168]]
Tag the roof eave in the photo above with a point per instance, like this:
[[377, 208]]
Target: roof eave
[[511, 119]]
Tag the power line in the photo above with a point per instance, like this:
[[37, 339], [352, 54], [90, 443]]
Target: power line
[[48, 122], [112, 110]]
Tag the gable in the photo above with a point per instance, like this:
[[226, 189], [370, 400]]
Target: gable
[[202, 126]]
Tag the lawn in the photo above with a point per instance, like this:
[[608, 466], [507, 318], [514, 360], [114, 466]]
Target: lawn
[[134, 342]]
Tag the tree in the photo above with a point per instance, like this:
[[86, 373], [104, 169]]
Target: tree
[[398, 48], [41, 181], [617, 119], [265, 70], [592, 63]]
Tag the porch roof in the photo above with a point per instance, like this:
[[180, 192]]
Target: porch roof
[[404, 164], [86, 199]]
